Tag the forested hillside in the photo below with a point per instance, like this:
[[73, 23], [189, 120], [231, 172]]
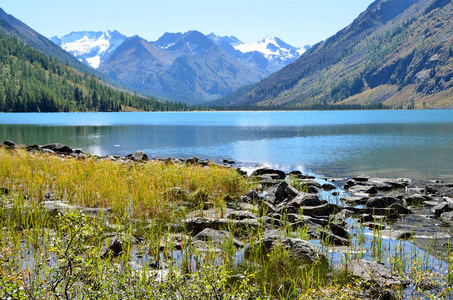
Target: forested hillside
[[396, 54], [32, 82]]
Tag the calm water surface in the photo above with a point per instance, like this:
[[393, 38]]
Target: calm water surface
[[415, 144]]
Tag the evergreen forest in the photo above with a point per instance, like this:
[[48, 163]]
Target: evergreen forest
[[30, 81]]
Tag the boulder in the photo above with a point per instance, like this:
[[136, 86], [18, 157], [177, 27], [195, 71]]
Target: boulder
[[330, 238], [398, 183], [241, 215], [58, 148], [138, 156], [442, 208], [415, 199], [447, 217], [355, 200], [438, 188], [324, 210], [328, 186], [363, 189], [401, 209], [252, 196], [381, 202], [300, 250], [305, 200], [198, 224], [192, 161], [374, 272], [34, 147], [9, 145], [209, 238], [267, 171]]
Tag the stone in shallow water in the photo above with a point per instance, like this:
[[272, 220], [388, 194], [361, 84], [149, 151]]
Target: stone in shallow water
[[209, 238], [299, 249], [374, 272]]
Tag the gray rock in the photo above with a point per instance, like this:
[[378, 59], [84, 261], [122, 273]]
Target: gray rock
[[58, 148], [328, 186], [299, 249], [438, 188], [396, 234], [198, 224], [241, 215], [442, 208], [269, 180], [209, 238], [447, 217], [192, 161], [9, 145], [332, 239], [266, 207], [324, 210], [397, 183], [252, 195], [363, 189], [265, 171], [415, 199], [355, 200], [381, 202], [138, 156], [361, 178], [401, 209], [375, 225], [33, 147], [373, 272], [48, 151]]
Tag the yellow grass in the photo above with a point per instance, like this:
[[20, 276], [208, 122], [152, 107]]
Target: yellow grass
[[101, 183]]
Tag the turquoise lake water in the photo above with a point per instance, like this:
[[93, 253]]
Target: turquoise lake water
[[416, 144]]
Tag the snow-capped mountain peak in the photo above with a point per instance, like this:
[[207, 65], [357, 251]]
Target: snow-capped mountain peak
[[89, 46], [270, 46]]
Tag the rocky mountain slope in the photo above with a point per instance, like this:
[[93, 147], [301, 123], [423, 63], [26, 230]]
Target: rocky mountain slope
[[268, 55], [90, 47], [398, 53], [185, 67]]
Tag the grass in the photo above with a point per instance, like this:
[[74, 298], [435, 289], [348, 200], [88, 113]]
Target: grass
[[143, 188], [59, 256]]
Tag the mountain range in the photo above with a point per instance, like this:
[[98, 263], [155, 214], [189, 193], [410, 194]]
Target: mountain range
[[11, 26], [396, 54], [188, 67], [90, 47]]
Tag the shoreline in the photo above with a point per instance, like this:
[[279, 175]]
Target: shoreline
[[315, 221]]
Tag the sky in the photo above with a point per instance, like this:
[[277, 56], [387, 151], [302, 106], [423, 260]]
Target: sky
[[297, 22]]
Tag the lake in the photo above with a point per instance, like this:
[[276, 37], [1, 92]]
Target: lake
[[416, 144]]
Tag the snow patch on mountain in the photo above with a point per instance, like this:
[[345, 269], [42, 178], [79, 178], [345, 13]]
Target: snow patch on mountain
[[90, 47], [272, 48]]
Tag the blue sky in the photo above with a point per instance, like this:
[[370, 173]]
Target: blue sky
[[297, 22]]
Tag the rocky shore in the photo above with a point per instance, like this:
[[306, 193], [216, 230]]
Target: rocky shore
[[330, 211]]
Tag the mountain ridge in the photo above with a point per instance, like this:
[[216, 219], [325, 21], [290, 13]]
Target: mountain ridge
[[90, 47], [186, 67], [383, 58], [12, 26]]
